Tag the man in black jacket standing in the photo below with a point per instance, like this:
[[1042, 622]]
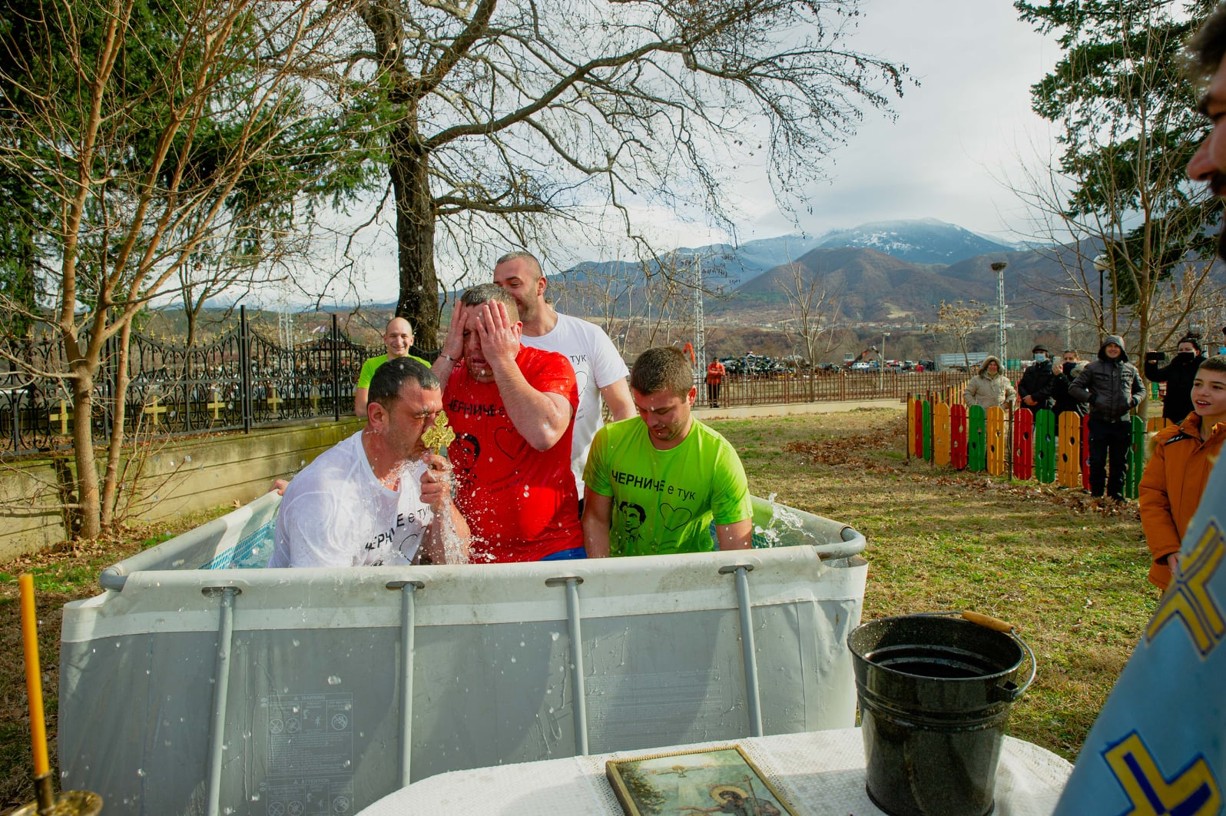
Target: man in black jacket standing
[[1178, 376], [1112, 386], [1034, 389]]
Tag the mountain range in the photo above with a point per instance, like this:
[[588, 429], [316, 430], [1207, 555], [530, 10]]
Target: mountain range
[[894, 271]]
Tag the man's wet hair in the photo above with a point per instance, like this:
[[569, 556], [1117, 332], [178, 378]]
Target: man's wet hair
[[662, 369], [488, 292], [386, 384], [1208, 46]]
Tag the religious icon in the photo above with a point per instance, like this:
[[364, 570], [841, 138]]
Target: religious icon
[[715, 780]]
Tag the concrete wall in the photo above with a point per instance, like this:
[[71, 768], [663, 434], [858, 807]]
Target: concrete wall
[[177, 476]]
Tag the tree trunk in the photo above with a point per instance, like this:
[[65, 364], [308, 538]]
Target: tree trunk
[[88, 516], [114, 454], [418, 300]]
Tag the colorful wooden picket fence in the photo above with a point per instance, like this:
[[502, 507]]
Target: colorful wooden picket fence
[[1021, 443]]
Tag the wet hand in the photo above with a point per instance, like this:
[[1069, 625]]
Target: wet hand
[[453, 343], [499, 334], [436, 482]]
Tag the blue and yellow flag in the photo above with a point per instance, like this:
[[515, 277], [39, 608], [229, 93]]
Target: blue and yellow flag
[[1159, 744]]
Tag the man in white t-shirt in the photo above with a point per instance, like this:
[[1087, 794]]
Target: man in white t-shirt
[[379, 497], [600, 371]]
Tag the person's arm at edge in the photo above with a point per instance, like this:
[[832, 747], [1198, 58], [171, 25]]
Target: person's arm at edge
[[735, 536], [616, 395], [597, 512], [359, 401]]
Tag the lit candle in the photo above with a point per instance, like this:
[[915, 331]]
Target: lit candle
[[34, 683]]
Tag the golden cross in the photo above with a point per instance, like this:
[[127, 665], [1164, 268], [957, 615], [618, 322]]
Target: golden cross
[[62, 417], [216, 405], [274, 401], [156, 410], [439, 435]]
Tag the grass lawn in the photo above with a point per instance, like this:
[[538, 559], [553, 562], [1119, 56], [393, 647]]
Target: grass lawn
[[1070, 577]]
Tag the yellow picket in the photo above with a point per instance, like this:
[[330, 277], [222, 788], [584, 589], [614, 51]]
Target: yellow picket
[[994, 418], [940, 434], [1068, 450]]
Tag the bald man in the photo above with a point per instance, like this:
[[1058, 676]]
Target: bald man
[[600, 372], [397, 339]]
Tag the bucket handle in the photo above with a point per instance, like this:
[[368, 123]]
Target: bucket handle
[[1009, 691]]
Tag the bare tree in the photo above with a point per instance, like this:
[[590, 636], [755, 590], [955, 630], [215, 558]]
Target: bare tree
[[154, 144], [510, 119], [959, 320], [1141, 254], [815, 310]]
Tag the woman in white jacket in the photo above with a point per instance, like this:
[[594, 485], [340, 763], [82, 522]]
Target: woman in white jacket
[[989, 386]]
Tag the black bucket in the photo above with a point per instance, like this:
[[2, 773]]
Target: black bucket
[[934, 695]]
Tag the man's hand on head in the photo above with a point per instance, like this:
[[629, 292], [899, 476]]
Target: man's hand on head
[[453, 343], [499, 334]]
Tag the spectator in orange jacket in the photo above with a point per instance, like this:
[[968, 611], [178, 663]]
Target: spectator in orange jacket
[[1175, 477], [715, 376]]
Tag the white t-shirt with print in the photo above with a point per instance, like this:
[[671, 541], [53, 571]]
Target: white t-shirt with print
[[597, 365], [336, 513]]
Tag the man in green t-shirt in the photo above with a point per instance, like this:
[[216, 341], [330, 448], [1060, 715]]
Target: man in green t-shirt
[[656, 482], [397, 339]]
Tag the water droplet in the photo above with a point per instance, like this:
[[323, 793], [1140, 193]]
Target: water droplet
[[334, 680]]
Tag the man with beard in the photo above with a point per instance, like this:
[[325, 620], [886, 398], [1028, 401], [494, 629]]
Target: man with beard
[[600, 372], [512, 409]]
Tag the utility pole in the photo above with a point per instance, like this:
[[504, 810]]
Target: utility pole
[[700, 330]]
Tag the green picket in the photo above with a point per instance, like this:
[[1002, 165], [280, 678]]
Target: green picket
[[976, 440], [1045, 446], [1136, 459], [928, 431]]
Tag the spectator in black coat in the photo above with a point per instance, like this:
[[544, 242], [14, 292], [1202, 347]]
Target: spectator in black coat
[[1062, 400], [1034, 390], [1178, 376]]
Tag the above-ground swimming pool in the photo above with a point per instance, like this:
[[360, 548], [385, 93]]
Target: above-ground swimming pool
[[201, 682]]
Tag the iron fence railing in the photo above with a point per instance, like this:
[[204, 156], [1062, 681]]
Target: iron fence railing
[[242, 380], [234, 383]]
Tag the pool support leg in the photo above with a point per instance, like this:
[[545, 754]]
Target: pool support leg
[[221, 691], [573, 616], [408, 625], [749, 654]]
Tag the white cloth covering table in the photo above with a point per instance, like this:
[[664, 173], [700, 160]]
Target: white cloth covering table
[[819, 772]]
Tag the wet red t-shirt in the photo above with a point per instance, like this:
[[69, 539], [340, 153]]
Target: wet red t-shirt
[[520, 503]]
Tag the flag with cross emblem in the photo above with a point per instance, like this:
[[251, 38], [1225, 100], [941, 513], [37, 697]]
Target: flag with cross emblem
[[1159, 744]]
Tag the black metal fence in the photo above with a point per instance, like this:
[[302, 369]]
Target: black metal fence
[[237, 382], [243, 380]]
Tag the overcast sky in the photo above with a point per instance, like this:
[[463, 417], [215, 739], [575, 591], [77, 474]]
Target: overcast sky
[[958, 136]]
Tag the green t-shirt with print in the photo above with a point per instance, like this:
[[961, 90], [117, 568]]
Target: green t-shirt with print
[[372, 365], [664, 501]]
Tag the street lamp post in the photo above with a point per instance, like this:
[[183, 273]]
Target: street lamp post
[[1101, 263], [999, 268]]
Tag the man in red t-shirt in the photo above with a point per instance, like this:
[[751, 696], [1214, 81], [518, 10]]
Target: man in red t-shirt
[[512, 409]]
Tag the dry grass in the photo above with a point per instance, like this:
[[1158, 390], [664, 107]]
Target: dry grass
[[1071, 578]]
